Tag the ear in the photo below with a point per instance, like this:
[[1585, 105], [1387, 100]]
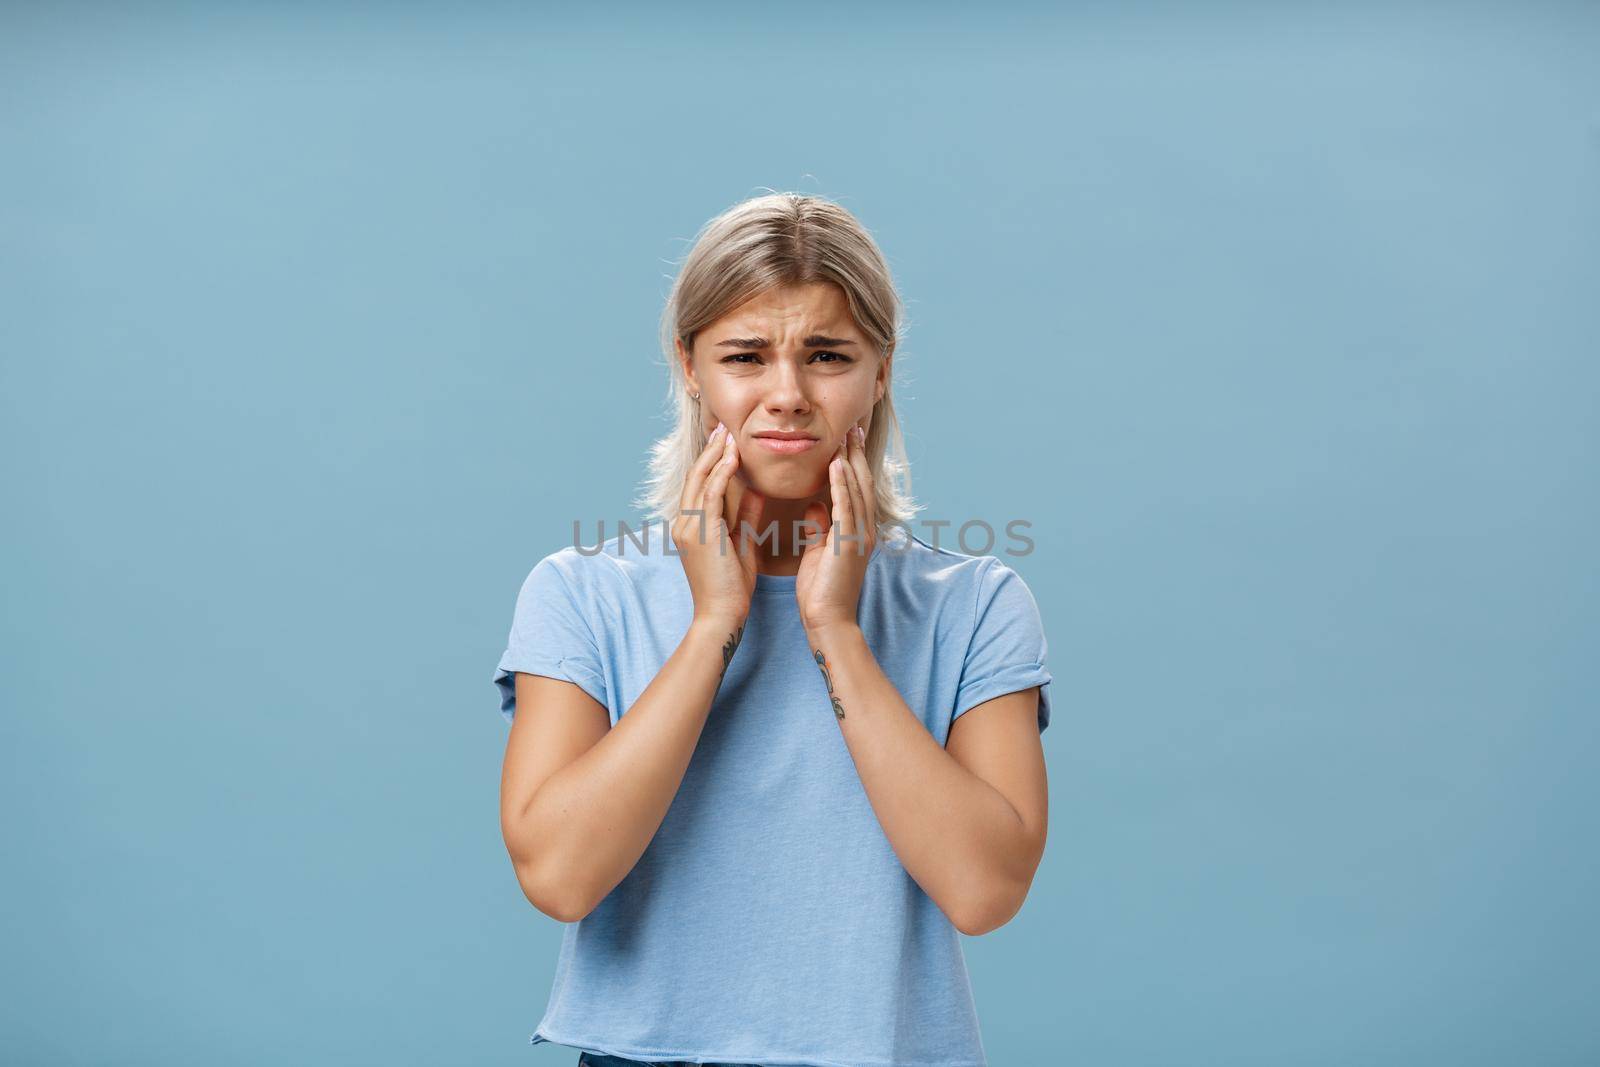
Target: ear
[[686, 361], [882, 381]]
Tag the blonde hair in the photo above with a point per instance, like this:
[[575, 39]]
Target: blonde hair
[[766, 241]]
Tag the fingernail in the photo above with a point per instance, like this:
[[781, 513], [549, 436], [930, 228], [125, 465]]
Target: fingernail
[[714, 432], [861, 434]]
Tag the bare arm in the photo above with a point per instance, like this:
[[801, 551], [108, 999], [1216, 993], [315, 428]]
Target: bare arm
[[968, 820], [579, 799]]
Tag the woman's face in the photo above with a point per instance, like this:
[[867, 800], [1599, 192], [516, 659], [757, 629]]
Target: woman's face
[[789, 359]]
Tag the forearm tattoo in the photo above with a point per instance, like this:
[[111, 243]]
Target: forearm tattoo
[[729, 647], [838, 708]]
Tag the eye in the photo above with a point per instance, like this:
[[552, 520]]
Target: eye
[[741, 357]]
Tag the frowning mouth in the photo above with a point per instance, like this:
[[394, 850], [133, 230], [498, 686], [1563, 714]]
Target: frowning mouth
[[787, 446]]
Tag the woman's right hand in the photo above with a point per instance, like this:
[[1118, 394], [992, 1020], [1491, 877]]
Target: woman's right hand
[[722, 574]]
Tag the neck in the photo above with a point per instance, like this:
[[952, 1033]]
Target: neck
[[780, 554]]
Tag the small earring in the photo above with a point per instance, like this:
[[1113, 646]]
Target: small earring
[[695, 395]]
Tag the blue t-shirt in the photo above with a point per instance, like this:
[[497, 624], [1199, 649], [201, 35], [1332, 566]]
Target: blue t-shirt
[[769, 921]]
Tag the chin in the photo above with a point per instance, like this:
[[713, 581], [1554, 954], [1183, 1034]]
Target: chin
[[789, 485]]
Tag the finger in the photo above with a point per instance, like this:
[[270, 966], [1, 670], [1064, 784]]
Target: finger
[[856, 529], [714, 496], [843, 511], [739, 501], [745, 522], [816, 518], [732, 498], [866, 494], [694, 484]]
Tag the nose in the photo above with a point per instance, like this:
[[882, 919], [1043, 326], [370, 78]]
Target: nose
[[786, 393]]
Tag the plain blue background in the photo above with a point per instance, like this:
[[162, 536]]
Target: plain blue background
[[321, 323]]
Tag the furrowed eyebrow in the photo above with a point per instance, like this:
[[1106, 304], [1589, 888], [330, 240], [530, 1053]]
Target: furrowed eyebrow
[[816, 340]]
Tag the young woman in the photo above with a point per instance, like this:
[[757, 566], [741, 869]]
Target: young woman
[[772, 753]]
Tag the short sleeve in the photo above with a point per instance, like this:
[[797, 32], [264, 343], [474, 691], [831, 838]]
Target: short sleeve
[[1008, 647], [550, 635]]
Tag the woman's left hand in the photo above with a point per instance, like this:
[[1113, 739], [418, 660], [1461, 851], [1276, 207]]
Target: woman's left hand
[[828, 585]]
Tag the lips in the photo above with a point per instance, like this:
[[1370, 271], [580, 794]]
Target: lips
[[786, 444], [786, 435]]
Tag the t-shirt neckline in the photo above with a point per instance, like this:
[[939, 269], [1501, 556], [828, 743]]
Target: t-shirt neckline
[[776, 583]]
